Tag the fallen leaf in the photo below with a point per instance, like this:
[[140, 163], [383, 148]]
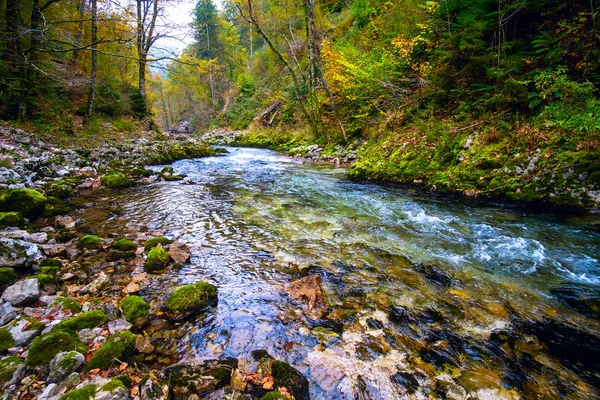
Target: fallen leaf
[[134, 391], [268, 386], [122, 367], [26, 326]]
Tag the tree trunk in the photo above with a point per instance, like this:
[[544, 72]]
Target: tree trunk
[[79, 33], [92, 88]]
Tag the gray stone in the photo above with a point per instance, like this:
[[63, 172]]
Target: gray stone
[[111, 310], [47, 300], [65, 222], [18, 253], [64, 364], [88, 336], [12, 233], [21, 332], [22, 293], [118, 325], [97, 285], [7, 313], [16, 377], [53, 250], [116, 394], [50, 391]]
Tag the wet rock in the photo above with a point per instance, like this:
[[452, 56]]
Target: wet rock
[[289, 377], [585, 300], [400, 315], [435, 275], [143, 344], [18, 253], [97, 285], [309, 289], [406, 381], [157, 259], [22, 293], [374, 323], [64, 364], [238, 381], [179, 252], [7, 313], [118, 325], [190, 377]]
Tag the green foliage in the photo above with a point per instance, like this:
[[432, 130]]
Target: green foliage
[[88, 319], [119, 347], [191, 299], [157, 259], [44, 348], [135, 309]]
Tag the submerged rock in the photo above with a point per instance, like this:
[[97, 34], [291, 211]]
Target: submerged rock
[[585, 300], [22, 293], [190, 377], [309, 289], [179, 252], [435, 275]]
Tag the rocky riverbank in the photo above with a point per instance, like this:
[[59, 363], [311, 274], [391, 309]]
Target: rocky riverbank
[[83, 316]]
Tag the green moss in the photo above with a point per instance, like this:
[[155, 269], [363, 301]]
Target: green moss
[[221, 150], [153, 242], [46, 279], [124, 379], [115, 180], [8, 366], [59, 189], [28, 202], [191, 299], [65, 237], [116, 255], [90, 242], [157, 259], [85, 393], [68, 361], [141, 172], [163, 153], [51, 262], [112, 385], [54, 207], [89, 319], [7, 276], [167, 170], [124, 245], [119, 346], [49, 270], [12, 219], [66, 304], [6, 340], [135, 309], [44, 348], [274, 396]]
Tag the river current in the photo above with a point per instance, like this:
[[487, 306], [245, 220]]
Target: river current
[[427, 296]]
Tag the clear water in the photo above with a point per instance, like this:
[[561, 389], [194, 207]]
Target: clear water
[[479, 326]]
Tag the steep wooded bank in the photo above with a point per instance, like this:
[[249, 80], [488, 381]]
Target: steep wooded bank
[[495, 98]]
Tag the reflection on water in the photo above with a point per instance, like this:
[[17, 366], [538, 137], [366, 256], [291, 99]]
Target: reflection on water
[[429, 297]]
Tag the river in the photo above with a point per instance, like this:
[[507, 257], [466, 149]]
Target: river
[[428, 296]]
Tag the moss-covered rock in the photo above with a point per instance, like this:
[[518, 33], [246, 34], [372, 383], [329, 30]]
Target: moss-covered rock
[[49, 270], [163, 153], [191, 299], [274, 396], [46, 279], [66, 303], [124, 379], [54, 207], [141, 172], [90, 242], [28, 202], [44, 348], [135, 309], [112, 385], [155, 241], [119, 346], [51, 262], [8, 367], [84, 393], [7, 277], [115, 180], [60, 190], [287, 376], [124, 245], [116, 255], [6, 340], [157, 259], [86, 320], [12, 218]]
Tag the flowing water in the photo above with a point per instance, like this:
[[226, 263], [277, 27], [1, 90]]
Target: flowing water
[[427, 296]]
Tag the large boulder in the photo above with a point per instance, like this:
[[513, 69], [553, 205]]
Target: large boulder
[[18, 253], [22, 293]]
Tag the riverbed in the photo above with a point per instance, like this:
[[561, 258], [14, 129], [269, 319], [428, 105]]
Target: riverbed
[[427, 296]]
